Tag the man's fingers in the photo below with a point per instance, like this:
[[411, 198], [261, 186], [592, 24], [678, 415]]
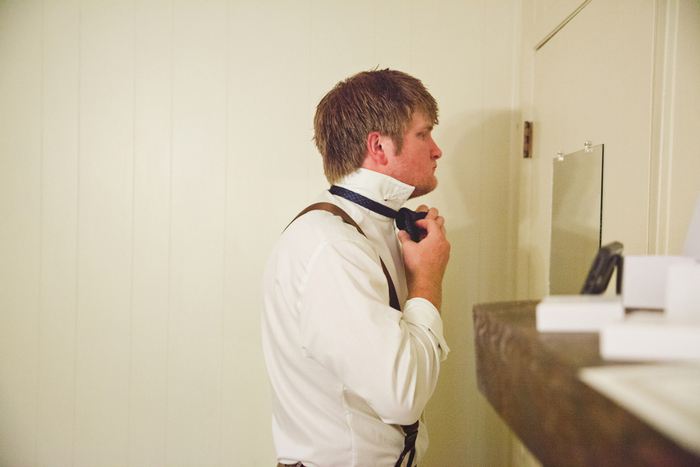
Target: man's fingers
[[404, 237], [432, 213], [428, 223]]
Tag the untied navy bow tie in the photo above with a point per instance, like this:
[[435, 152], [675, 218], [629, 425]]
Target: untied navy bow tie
[[405, 218]]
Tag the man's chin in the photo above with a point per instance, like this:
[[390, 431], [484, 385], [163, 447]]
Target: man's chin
[[423, 190]]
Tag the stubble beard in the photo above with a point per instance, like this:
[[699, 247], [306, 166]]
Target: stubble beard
[[424, 190]]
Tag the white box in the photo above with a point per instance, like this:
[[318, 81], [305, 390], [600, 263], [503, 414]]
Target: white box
[[650, 336], [644, 280], [577, 313], [683, 292]]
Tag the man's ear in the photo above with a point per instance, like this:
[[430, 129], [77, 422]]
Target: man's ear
[[376, 156]]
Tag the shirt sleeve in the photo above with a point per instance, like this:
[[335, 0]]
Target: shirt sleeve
[[389, 358], [420, 312]]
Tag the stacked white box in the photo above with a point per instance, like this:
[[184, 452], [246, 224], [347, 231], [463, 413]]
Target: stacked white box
[[577, 313], [644, 280], [650, 336], [683, 292]]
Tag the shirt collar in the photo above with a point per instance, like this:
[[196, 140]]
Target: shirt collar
[[378, 187]]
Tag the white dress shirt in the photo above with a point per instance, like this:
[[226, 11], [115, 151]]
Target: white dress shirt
[[346, 369]]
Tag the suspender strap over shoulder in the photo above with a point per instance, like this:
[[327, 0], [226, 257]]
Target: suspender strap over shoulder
[[333, 209], [411, 431]]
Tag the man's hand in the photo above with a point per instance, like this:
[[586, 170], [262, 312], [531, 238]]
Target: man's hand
[[426, 261]]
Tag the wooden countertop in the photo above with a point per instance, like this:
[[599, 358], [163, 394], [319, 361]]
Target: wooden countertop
[[531, 379]]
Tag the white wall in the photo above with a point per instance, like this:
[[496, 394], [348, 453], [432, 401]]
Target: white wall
[[150, 153], [675, 141], [624, 74]]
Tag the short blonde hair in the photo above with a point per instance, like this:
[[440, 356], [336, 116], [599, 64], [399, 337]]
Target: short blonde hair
[[376, 100]]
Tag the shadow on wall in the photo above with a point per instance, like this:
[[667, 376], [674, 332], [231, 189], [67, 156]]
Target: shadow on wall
[[475, 185]]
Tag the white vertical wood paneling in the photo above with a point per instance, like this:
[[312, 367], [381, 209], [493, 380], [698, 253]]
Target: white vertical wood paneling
[[342, 41], [197, 233], [342, 44], [104, 231], [269, 134], [20, 223], [151, 249], [59, 199], [393, 32]]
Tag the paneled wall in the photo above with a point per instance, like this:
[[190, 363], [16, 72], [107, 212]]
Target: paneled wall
[[150, 153]]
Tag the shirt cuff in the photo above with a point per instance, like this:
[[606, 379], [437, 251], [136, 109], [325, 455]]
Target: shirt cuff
[[421, 312]]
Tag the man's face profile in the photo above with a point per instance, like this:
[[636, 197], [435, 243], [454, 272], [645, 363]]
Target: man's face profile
[[417, 161]]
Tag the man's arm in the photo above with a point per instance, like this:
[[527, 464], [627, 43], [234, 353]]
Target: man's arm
[[426, 261]]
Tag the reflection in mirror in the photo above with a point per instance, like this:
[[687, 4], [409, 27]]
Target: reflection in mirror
[[577, 193]]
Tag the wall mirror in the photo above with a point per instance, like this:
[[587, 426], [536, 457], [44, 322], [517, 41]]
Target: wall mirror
[[577, 194]]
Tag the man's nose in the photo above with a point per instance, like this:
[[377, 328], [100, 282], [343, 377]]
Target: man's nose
[[435, 151]]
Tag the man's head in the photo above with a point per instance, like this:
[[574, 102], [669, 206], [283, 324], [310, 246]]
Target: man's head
[[382, 101]]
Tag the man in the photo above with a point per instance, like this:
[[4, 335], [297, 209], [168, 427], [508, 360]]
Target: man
[[352, 332]]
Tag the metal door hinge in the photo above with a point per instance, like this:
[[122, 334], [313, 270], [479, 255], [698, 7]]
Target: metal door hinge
[[527, 140]]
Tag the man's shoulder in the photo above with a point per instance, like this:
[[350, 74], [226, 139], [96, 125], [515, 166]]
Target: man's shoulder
[[316, 235], [320, 226]]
